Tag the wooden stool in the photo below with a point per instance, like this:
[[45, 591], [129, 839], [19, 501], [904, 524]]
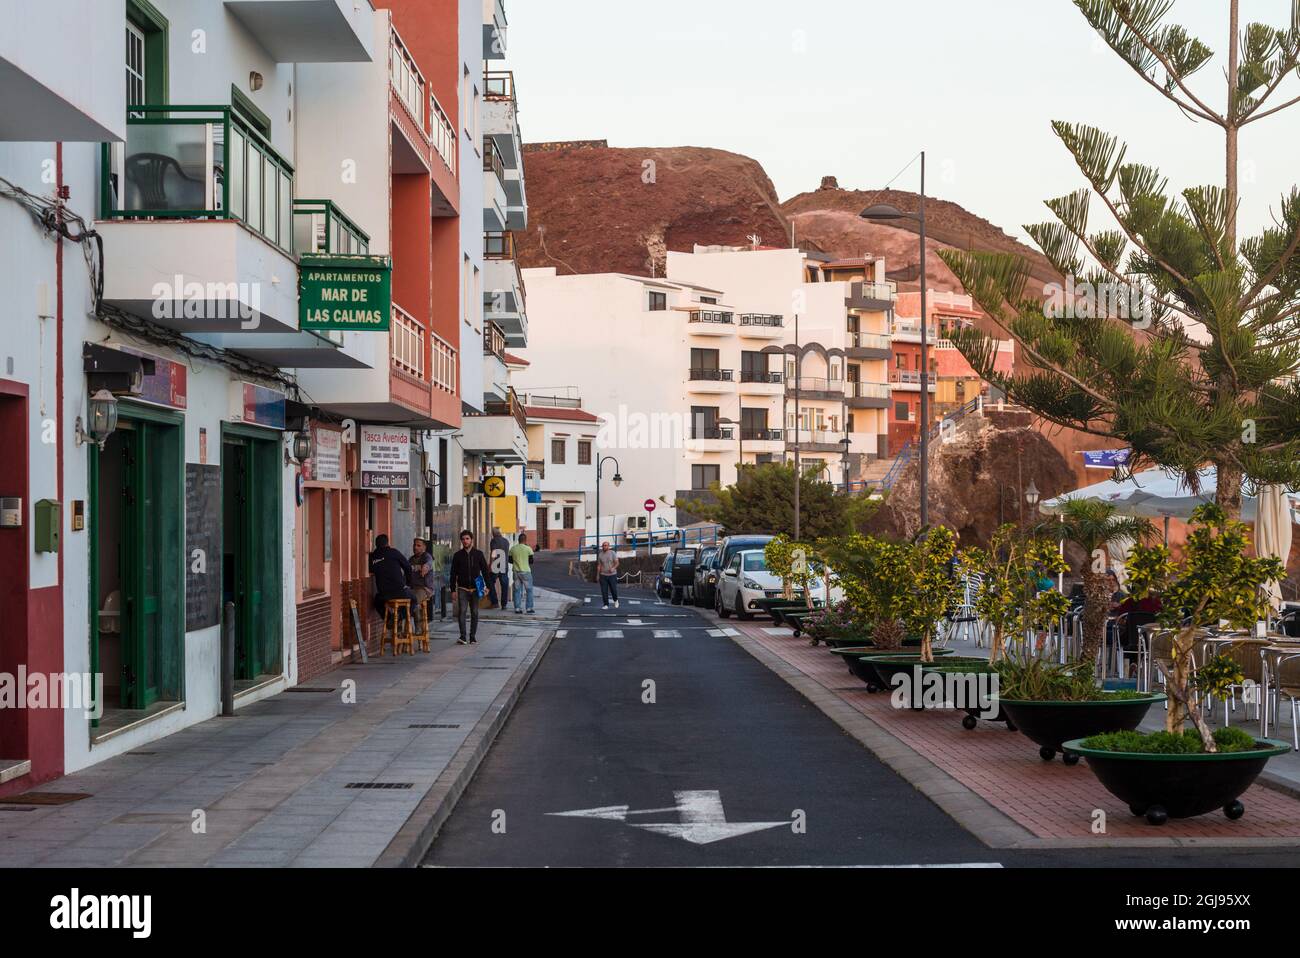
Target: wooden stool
[[422, 626], [400, 633]]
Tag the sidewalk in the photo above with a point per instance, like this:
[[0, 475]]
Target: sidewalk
[[991, 780], [300, 779]]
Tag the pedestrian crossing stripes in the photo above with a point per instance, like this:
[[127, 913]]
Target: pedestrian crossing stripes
[[610, 634], [722, 633], [667, 634], [561, 633]]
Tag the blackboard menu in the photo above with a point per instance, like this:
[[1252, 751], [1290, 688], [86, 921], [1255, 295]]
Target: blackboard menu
[[202, 546]]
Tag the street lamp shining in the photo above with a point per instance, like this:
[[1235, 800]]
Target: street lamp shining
[[886, 213], [1031, 495], [618, 481]]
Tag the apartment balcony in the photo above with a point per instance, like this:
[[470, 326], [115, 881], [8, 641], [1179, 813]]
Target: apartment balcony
[[868, 346], [496, 204], [711, 322], [56, 82], [505, 300], [501, 125], [496, 377], [499, 434], [868, 395], [907, 381], [413, 380], [712, 439], [767, 326], [760, 382], [309, 31], [909, 331], [872, 297], [495, 27], [320, 227], [711, 381], [762, 441], [815, 440], [197, 220], [815, 387]]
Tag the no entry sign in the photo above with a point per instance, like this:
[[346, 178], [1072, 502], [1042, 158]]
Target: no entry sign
[[649, 505]]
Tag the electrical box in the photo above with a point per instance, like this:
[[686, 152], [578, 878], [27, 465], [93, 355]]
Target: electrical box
[[48, 524]]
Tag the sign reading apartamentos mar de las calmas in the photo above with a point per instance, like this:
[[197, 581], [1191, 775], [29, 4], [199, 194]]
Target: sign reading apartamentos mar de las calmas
[[344, 292]]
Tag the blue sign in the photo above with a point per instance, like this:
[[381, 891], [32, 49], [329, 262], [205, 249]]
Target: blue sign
[[1107, 459]]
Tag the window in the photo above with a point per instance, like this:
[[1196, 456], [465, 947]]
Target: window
[[146, 54], [569, 517], [709, 300], [704, 422], [705, 477], [584, 455], [658, 302], [704, 359], [557, 451], [900, 361], [901, 411]]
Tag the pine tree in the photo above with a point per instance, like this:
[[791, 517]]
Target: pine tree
[[1171, 334]]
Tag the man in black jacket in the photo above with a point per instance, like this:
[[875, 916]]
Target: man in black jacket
[[467, 566], [391, 572]]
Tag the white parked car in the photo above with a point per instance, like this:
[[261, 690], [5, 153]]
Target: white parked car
[[746, 579]]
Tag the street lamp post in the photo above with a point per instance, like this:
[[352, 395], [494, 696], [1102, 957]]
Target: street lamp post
[[618, 481], [846, 442], [883, 213]]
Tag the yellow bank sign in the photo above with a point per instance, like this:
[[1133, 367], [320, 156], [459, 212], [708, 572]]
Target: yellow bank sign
[[345, 292]]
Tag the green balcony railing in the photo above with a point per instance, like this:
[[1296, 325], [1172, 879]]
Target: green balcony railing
[[198, 162], [320, 227]]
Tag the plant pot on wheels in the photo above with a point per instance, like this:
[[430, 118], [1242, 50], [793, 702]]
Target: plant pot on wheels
[[879, 680], [1164, 786], [1051, 724], [974, 713]]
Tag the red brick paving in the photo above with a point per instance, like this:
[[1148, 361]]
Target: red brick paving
[[1051, 800]]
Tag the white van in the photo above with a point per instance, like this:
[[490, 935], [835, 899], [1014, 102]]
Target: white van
[[634, 530]]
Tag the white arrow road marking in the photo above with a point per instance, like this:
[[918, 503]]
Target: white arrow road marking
[[610, 634], [702, 818], [667, 634]]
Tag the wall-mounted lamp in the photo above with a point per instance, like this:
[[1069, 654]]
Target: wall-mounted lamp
[[302, 445], [102, 418], [254, 81]]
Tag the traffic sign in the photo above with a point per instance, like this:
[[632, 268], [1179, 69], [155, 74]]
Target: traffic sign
[[494, 487], [649, 505]]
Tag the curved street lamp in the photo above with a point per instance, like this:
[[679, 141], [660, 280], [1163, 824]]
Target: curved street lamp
[[618, 481]]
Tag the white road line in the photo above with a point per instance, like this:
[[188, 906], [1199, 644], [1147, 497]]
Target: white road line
[[722, 633], [667, 634], [561, 633], [610, 634]]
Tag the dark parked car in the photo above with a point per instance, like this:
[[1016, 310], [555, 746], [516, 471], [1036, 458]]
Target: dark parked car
[[706, 577], [733, 544]]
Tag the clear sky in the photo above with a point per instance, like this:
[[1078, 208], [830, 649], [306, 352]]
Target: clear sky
[[855, 88]]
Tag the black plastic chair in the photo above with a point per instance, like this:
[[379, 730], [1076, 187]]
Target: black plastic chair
[[149, 172]]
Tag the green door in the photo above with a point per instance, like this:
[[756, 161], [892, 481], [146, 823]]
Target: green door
[[149, 556], [251, 546]]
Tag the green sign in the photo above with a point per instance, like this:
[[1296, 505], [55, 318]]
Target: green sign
[[345, 292]]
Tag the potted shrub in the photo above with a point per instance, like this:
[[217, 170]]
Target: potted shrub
[[1009, 569], [1093, 526], [874, 575], [967, 667], [1182, 772]]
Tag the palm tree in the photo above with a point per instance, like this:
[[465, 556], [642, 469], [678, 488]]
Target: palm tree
[[1093, 526]]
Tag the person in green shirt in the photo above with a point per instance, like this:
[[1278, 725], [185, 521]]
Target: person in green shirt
[[521, 562]]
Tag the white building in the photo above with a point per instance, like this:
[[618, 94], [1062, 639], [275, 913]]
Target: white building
[[693, 374], [561, 477]]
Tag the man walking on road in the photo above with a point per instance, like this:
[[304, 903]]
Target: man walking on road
[[469, 573], [521, 563], [499, 583], [391, 572], [607, 570]]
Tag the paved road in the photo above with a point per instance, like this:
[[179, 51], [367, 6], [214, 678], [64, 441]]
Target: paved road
[[715, 772]]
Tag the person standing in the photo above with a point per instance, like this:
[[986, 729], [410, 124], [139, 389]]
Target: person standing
[[499, 583], [607, 571], [391, 572], [469, 571], [423, 578], [521, 564]]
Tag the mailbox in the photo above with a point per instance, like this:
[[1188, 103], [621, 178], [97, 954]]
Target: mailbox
[[48, 525]]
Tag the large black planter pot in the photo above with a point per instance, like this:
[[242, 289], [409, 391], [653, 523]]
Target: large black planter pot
[[852, 656], [974, 715], [1051, 724], [1161, 787], [883, 666]]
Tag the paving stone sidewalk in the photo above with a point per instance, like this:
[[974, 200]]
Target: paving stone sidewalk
[[992, 780], [277, 784]]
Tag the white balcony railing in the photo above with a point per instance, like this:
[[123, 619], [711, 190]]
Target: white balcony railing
[[408, 343], [444, 365], [407, 80], [444, 133], [868, 341]]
